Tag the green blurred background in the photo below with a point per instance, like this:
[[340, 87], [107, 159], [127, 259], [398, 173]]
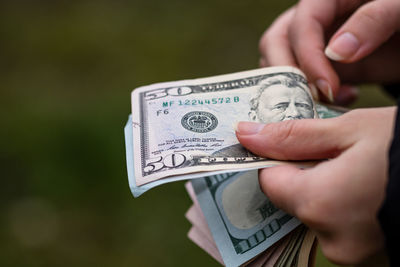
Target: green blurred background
[[66, 72]]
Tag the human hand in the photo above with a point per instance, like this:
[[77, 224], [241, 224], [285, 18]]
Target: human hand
[[338, 198], [364, 44]]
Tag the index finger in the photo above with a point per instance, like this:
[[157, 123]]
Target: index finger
[[307, 33]]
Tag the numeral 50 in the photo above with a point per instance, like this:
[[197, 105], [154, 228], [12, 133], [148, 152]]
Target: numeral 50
[[170, 161], [174, 91]]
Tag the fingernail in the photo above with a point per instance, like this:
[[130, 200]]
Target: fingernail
[[325, 88], [314, 91], [262, 62], [343, 47], [346, 97], [235, 126], [248, 128], [355, 90]]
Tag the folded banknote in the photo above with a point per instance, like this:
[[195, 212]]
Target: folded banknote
[[184, 130], [186, 126]]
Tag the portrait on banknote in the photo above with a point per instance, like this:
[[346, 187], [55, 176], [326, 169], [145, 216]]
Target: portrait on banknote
[[244, 222], [242, 203], [278, 98], [281, 98]]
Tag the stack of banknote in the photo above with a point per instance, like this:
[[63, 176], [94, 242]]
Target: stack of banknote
[[236, 224], [184, 130]]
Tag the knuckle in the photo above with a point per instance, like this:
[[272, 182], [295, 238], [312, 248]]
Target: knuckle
[[266, 40], [279, 134], [263, 62], [284, 130], [343, 252], [315, 208], [292, 33], [350, 118], [306, 64], [262, 43], [309, 59], [263, 180], [287, 132], [311, 214], [374, 13], [333, 252]]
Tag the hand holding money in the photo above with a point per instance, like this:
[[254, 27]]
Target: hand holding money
[[202, 142], [339, 198]]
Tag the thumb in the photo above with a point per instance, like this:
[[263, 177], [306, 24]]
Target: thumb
[[369, 27], [295, 139], [284, 186]]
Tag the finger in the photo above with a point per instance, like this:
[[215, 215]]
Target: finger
[[274, 183], [263, 62], [274, 45], [347, 95], [369, 27], [295, 139], [365, 70], [314, 91], [307, 31]]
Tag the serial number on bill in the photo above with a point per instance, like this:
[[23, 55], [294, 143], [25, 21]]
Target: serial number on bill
[[196, 102]]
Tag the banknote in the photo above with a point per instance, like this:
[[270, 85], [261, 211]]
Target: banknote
[[289, 256], [185, 127], [201, 235], [242, 220], [138, 190], [196, 235], [308, 250], [323, 111], [297, 249]]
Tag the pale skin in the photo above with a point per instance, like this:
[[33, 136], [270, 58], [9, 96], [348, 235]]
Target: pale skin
[[336, 43], [338, 198], [305, 36]]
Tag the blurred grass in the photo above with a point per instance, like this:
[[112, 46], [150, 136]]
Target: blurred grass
[[66, 72]]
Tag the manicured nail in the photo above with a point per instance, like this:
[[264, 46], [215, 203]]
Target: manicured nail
[[343, 47], [248, 128], [325, 88], [314, 91]]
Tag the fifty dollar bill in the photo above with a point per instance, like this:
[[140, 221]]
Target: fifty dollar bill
[[324, 112], [186, 127]]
